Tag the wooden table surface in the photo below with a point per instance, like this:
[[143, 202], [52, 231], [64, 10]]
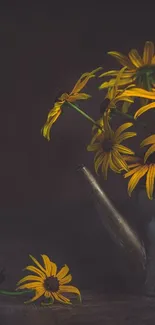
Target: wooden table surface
[[96, 309]]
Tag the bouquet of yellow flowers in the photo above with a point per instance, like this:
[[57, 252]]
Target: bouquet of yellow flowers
[[132, 85]]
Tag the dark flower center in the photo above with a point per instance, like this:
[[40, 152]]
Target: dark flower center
[[107, 145], [51, 284]]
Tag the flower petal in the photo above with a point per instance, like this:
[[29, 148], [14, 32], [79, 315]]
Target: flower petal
[[47, 264], [70, 289], [105, 164], [114, 168], [123, 59], [93, 146], [125, 136], [38, 294], [53, 269], [135, 58], [98, 162], [63, 272], [150, 181], [148, 52], [30, 278], [61, 298], [125, 106], [37, 263], [110, 83], [31, 285], [123, 149], [150, 178], [144, 109], [132, 159], [122, 128], [136, 178], [133, 171], [78, 96], [148, 140], [120, 160], [47, 126], [108, 130], [35, 270], [149, 152], [83, 80], [139, 92], [66, 279], [109, 73]]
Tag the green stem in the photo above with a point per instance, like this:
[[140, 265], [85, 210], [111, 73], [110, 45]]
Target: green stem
[[84, 114], [12, 293], [128, 116]]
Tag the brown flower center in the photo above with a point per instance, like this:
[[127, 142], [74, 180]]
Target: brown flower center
[[51, 284], [107, 145]]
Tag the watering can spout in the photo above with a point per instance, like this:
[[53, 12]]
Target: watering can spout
[[115, 224]]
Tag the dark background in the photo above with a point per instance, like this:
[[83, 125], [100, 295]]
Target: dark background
[[46, 206]]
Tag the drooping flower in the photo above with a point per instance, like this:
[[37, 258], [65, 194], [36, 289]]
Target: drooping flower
[[140, 70], [109, 149], [47, 281], [73, 96], [143, 167]]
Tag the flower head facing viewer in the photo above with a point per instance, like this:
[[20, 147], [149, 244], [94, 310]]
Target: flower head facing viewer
[[73, 96], [47, 281], [143, 167], [140, 70], [108, 147]]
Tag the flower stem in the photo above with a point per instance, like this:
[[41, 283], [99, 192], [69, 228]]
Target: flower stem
[[84, 114], [12, 293], [128, 116]]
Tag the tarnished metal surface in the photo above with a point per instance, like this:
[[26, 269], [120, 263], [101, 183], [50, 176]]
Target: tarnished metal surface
[[118, 228]]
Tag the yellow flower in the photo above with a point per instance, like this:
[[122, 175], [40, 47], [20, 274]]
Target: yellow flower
[[141, 167], [47, 281], [114, 94], [142, 93], [140, 70], [109, 149], [73, 96]]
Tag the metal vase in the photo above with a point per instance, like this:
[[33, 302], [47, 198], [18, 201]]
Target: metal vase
[[115, 224]]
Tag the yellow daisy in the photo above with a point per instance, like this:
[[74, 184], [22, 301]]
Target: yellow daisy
[[107, 145], [73, 96], [140, 70], [47, 281], [143, 167]]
